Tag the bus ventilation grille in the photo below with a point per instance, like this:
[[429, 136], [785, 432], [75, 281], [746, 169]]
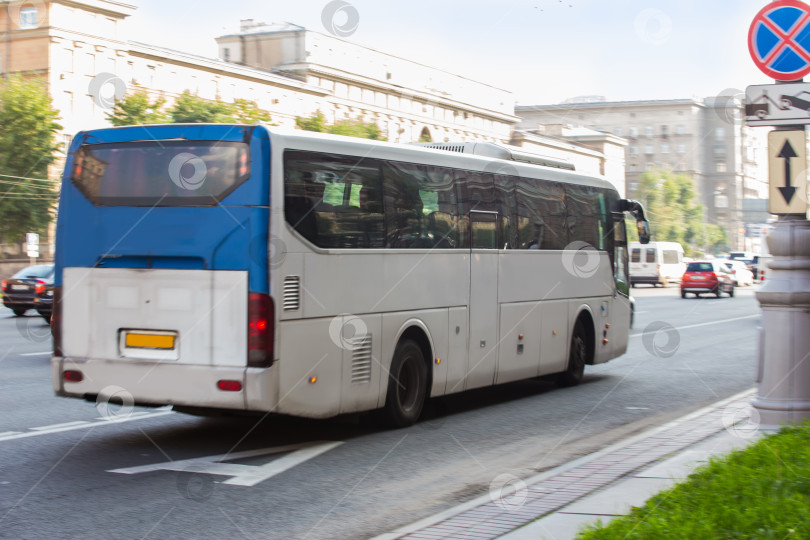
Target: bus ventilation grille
[[448, 147], [361, 358], [292, 293]]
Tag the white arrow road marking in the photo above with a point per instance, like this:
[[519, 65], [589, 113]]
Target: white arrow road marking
[[36, 353], [242, 475]]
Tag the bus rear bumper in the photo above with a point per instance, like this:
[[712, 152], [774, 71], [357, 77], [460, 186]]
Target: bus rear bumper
[[162, 383]]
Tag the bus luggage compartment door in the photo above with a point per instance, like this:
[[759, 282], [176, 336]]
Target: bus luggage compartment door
[[181, 316]]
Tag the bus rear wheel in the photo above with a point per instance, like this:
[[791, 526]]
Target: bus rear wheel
[[572, 376], [407, 385]]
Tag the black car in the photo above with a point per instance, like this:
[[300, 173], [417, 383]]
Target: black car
[[43, 299], [19, 291]]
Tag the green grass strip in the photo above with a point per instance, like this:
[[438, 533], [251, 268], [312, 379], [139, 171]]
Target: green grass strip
[[759, 492]]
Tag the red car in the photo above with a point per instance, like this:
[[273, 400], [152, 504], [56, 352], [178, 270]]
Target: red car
[[710, 277]]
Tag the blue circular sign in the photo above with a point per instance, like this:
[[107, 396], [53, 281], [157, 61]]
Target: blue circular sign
[[779, 40]]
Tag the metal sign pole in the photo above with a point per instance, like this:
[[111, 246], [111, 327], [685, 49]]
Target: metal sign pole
[[778, 49]]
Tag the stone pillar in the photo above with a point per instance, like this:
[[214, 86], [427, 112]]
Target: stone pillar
[[783, 394]]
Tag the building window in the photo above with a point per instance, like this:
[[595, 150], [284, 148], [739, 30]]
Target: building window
[[226, 54], [68, 107], [648, 149], [664, 131], [719, 149], [633, 150], [67, 60], [720, 166], [633, 132], [681, 148], [720, 134], [617, 132], [680, 129], [633, 168], [720, 201], [28, 18], [665, 149], [649, 166], [648, 131]]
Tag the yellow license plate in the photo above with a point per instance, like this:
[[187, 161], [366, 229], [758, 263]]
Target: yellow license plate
[[150, 341]]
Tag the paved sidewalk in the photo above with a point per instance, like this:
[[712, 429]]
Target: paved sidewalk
[[599, 486]]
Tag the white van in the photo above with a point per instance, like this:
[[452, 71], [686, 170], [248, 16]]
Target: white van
[[656, 263]]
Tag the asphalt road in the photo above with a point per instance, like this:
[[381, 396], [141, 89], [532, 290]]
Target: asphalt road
[[56, 454]]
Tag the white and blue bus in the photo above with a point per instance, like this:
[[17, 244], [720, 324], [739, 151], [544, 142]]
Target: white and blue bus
[[230, 267]]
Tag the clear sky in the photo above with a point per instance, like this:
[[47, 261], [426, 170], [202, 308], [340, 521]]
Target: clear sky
[[544, 51]]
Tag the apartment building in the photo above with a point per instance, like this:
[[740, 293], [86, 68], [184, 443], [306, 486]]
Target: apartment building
[[703, 138]]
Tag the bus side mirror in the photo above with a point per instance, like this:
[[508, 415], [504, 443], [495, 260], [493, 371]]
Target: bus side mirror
[[643, 228], [637, 211]]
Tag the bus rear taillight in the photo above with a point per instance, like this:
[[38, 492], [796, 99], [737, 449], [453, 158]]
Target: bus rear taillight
[[56, 321], [260, 330]]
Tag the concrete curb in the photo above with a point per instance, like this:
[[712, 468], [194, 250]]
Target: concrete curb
[[485, 499]]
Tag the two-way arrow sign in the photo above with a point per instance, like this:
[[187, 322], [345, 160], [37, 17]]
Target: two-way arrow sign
[[787, 190], [787, 168]]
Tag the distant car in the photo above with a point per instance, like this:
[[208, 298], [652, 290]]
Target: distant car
[[741, 275], [656, 263], [707, 277], [755, 265], [43, 299], [19, 290], [761, 267]]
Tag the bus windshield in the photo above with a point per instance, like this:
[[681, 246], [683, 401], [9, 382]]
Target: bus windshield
[[160, 172]]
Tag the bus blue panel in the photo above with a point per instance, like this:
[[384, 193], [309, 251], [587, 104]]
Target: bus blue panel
[[218, 238], [254, 192], [231, 236]]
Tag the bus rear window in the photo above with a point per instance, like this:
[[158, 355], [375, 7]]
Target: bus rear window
[[160, 173]]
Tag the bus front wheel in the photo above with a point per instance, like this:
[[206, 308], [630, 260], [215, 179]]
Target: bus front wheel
[[407, 385], [576, 359]]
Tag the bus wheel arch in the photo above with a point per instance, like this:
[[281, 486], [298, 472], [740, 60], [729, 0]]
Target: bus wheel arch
[[581, 349], [409, 378]]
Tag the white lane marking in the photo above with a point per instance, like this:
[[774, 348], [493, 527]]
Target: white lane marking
[[128, 415], [721, 321], [5, 433], [36, 353], [241, 475], [34, 432], [57, 426]]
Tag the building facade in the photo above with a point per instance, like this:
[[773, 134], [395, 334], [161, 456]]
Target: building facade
[[407, 100], [82, 50], [704, 139]]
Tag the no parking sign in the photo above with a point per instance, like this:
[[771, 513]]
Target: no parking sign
[[779, 40]]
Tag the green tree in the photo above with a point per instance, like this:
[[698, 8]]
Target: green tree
[[350, 128], [316, 122], [248, 112], [27, 147], [136, 108], [192, 109], [670, 201]]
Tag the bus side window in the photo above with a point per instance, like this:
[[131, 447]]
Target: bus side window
[[403, 208]]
